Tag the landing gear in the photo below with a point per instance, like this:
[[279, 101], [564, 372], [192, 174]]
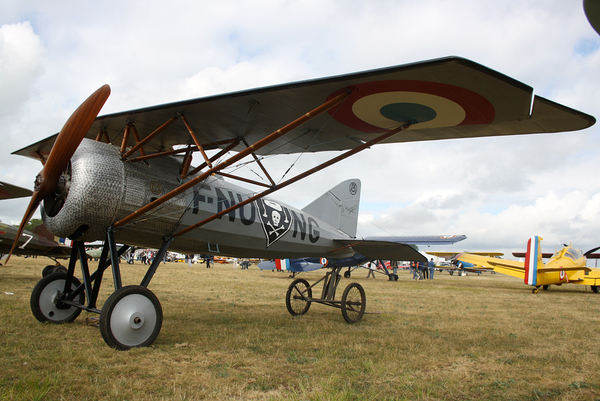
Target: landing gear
[[51, 299], [354, 303], [535, 290], [131, 317], [299, 296], [594, 289]]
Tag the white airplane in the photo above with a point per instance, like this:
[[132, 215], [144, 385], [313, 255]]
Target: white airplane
[[127, 177]]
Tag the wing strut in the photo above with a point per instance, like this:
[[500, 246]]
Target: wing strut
[[251, 149], [320, 167]]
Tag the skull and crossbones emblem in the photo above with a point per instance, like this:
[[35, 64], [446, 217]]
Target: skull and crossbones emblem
[[275, 218]]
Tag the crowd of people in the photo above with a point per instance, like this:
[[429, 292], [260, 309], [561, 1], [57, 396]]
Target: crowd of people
[[423, 270]]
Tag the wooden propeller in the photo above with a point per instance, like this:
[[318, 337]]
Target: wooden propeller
[[68, 140]]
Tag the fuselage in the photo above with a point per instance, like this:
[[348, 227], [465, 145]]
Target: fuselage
[[102, 189]]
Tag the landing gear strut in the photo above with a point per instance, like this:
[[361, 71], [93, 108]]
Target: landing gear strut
[[131, 316]]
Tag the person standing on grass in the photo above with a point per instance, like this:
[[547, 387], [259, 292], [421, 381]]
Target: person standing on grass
[[422, 270], [431, 265], [394, 266], [371, 270], [414, 270]]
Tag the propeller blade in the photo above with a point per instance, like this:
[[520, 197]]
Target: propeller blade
[[70, 137], [67, 142]]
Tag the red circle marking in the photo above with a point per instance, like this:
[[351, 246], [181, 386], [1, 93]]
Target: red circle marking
[[477, 108]]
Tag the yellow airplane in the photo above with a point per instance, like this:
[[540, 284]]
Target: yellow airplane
[[566, 266]]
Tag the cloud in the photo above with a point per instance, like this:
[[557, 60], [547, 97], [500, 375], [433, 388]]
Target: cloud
[[21, 54]]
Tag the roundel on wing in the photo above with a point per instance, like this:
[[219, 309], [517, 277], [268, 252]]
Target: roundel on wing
[[377, 105]]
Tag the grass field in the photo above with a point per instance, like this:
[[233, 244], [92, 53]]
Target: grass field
[[227, 334]]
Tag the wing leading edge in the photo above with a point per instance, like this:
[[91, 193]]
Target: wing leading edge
[[445, 98]]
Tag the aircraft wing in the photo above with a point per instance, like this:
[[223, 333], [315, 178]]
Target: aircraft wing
[[445, 98], [9, 191]]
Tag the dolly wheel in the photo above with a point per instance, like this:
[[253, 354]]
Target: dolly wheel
[[354, 303], [295, 298]]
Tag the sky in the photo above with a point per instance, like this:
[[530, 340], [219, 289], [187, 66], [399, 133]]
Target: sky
[[497, 191]]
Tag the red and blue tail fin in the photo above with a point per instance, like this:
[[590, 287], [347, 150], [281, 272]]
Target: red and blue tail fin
[[533, 259], [282, 264]]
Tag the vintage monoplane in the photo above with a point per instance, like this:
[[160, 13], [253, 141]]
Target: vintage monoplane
[[127, 177], [568, 265]]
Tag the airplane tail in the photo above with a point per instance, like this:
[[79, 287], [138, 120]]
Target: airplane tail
[[338, 206], [282, 264], [533, 259]]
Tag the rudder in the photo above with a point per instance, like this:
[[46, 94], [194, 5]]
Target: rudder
[[339, 206], [533, 259]]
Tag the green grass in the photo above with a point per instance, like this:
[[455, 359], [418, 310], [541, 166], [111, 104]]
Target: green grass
[[227, 335]]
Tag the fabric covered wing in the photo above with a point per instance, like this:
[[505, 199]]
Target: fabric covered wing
[[445, 98], [9, 191]]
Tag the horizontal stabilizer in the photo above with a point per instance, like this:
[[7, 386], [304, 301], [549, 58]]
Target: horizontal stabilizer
[[563, 269], [384, 250], [420, 239]]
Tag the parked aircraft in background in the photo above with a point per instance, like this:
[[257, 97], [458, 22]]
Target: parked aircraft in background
[[566, 266], [461, 266], [357, 260], [39, 242], [9, 191], [127, 177]]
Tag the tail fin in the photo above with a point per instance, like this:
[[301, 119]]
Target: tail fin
[[338, 206], [533, 259], [282, 264]]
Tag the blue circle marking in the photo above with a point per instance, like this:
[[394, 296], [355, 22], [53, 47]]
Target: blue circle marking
[[408, 112]]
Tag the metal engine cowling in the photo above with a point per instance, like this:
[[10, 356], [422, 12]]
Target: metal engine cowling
[[94, 192], [100, 188]]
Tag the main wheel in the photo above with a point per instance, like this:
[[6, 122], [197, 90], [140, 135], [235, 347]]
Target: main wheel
[[45, 299], [131, 317], [594, 289], [295, 298], [354, 303]]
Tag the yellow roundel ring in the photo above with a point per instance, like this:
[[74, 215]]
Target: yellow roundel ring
[[382, 105]]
